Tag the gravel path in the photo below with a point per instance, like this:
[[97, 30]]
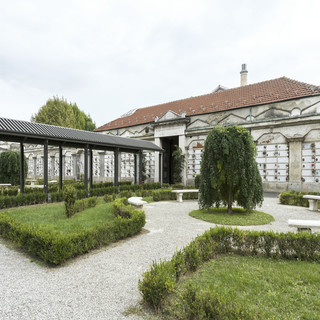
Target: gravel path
[[103, 283]]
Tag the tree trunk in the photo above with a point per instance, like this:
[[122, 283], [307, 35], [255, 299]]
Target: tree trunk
[[230, 201]]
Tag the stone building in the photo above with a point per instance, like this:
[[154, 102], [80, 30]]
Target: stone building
[[283, 116]]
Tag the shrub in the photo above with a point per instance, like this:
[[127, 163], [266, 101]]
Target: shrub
[[10, 167], [81, 205], [109, 197], [121, 208], [125, 194], [151, 186], [69, 195], [54, 247], [195, 303], [197, 181], [102, 191], [220, 240], [157, 283], [295, 198], [22, 200]]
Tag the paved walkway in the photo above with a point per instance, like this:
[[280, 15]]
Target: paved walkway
[[103, 283]]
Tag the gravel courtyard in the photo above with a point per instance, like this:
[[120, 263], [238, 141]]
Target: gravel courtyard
[[103, 283]]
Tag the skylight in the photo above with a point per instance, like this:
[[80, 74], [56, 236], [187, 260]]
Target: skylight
[[129, 113]]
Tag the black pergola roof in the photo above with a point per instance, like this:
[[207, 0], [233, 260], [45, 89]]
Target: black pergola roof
[[37, 133]]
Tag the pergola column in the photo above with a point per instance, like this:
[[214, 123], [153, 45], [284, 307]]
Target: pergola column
[[45, 167], [91, 167], [86, 168], [21, 168], [60, 168], [35, 167], [135, 164], [140, 168], [101, 164], [74, 166], [160, 167], [116, 167], [52, 160]]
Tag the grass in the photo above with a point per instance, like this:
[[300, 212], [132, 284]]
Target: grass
[[239, 216], [267, 289], [53, 216]]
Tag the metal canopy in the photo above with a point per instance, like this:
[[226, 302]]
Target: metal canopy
[[37, 133]]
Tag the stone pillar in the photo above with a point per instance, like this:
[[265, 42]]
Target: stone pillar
[[182, 145], [35, 167], [101, 163], [295, 163], [52, 160], [74, 166], [157, 141]]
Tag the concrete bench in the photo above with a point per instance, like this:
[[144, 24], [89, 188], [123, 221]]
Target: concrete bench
[[313, 202], [137, 202], [5, 184], [304, 225], [181, 192]]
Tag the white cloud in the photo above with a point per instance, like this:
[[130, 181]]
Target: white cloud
[[111, 56]]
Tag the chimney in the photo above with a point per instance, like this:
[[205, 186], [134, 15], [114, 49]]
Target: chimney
[[243, 74]]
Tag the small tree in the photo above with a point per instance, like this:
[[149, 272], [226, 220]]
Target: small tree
[[229, 171], [178, 164], [10, 167]]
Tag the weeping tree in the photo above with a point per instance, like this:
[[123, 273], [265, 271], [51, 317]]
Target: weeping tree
[[10, 167], [178, 164], [229, 171]]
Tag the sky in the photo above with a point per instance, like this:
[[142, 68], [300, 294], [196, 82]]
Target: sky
[[110, 56]]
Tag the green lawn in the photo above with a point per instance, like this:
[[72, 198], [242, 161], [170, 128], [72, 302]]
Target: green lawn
[[239, 217], [53, 216], [267, 289]]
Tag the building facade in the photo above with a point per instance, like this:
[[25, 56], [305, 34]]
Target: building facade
[[283, 116]]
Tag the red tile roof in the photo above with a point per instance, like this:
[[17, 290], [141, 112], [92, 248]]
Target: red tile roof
[[276, 90]]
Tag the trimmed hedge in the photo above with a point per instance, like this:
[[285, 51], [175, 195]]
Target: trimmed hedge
[[167, 194], [8, 191], [161, 278], [295, 198], [81, 205], [102, 191], [22, 200], [54, 247]]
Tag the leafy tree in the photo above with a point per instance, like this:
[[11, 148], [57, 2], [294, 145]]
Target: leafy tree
[[10, 167], [59, 112], [178, 164], [229, 171]]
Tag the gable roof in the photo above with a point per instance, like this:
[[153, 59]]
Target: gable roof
[[31, 132], [276, 90]]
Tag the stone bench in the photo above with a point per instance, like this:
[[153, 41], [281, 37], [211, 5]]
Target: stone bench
[[5, 184], [313, 202], [304, 225], [137, 202], [181, 192]]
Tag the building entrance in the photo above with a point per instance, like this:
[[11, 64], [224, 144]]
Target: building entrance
[[168, 144]]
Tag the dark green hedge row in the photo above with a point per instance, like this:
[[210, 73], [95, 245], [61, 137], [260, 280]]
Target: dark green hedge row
[[295, 198], [102, 191], [83, 204], [22, 200], [54, 247], [161, 278], [167, 194], [8, 191], [26, 199]]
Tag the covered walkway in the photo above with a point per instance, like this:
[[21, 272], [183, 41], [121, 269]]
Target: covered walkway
[[43, 134]]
